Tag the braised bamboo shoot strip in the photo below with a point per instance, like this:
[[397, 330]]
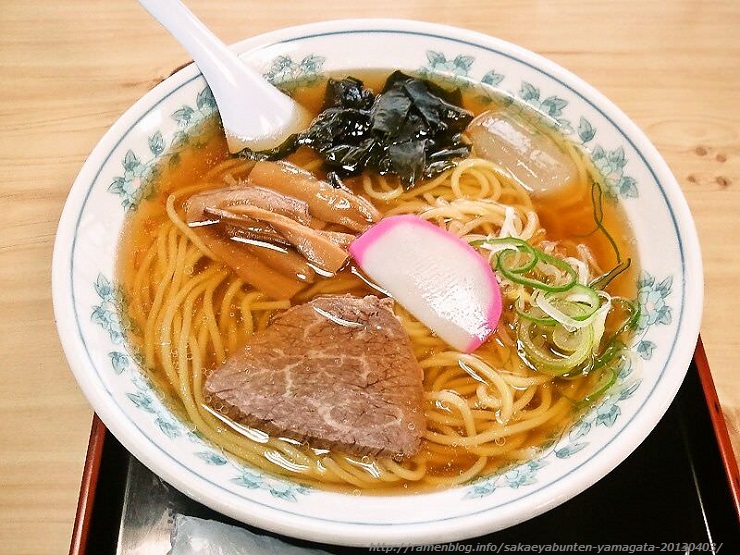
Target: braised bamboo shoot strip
[[326, 203]]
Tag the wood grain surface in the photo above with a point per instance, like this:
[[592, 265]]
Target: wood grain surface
[[70, 69]]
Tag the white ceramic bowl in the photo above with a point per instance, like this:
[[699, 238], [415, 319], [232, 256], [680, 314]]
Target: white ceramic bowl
[[109, 184]]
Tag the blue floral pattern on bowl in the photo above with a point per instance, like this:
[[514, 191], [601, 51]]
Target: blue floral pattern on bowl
[[91, 312], [288, 75], [135, 183]]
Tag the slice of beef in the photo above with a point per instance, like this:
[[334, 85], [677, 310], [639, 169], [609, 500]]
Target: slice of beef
[[337, 371]]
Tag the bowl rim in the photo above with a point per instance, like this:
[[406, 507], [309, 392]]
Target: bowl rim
[[309, 527]]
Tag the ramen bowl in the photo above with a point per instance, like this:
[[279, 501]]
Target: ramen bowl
[[91, 316]]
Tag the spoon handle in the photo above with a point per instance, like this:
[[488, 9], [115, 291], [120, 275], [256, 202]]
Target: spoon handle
[[253, 111]]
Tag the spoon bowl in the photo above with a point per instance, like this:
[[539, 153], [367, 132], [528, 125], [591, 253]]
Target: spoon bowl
[[255, 114]]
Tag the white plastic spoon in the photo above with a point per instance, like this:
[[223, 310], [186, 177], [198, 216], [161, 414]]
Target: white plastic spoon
[[254, 113]]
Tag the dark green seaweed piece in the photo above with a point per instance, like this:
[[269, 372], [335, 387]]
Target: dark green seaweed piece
[[412, 129], [347, 93]]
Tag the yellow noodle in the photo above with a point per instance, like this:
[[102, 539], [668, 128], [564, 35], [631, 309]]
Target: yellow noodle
[[386, 194], [524, 399], [189, 233], [349, 477], [142, 300], [166, 248], [561, 406], [398, 471], [452, 398], [361, 471], [462, 477]]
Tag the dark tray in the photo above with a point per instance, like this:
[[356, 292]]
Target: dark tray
[[678, 492]]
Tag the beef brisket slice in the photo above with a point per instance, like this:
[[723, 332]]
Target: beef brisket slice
[[338, 372]]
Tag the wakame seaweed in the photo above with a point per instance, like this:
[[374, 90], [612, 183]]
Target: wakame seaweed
[[412, 129]]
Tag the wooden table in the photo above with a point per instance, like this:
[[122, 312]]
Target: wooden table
[[70, 69]]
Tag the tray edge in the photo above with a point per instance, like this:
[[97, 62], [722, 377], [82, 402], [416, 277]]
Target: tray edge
[[88, 486], [729, 460]]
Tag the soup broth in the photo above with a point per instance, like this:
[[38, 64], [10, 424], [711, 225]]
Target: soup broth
[[484, 410]]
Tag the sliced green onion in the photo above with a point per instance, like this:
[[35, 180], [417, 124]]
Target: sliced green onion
[[514, 273], [604, 280], [612, 349], [533, 313], [564, 313], [632, 308], [574, 310], [544, 359], [511, 245], [565, 339], [561, 319], [611, 379], [507, 247]]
